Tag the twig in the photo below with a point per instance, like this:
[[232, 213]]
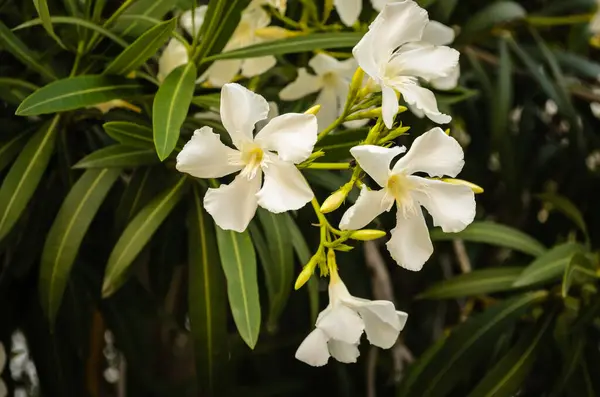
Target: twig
[[461, 256]]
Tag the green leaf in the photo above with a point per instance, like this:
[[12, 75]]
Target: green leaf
[[11, 43], [239, 264], [42, 9], [579, 264], [507, 376], [549, 266], [207, 300], [142, 187], [495, 234], [118, 156], [303, 253], [67, 232], [277, 261], [221, 19], [307, 43], [468, 344], [477, 282], [155, 9], [78, 22], [10, 148], [207, 101], [494, 14], [142, 49], [171, 107], [25, 174], [130, 134], [416, 368], [569, 365], [76, 93], [567, 207], [137, 234]]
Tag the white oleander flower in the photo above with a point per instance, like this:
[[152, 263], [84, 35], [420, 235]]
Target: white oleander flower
[[3, 390], [174, 55], [595, 22], [222, 72], [349, 10], [332, 81], [284, 141], [395, 56], [452, 206], [340, 326]]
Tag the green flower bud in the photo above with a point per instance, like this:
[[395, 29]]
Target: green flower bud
[[367, 234]]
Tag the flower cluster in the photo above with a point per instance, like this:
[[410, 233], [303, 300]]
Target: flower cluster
[[401, 54]]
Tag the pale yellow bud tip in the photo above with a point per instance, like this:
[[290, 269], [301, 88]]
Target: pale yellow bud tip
[[367, 234], [304, 276], [314, 110], [476, 189], [334, 201], [275, 33]]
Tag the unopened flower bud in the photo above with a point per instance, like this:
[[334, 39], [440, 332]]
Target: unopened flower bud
[[314, 110], [275, 33], [356, 83], [334, 201], [476, 189], [306, 272], [367, 234]]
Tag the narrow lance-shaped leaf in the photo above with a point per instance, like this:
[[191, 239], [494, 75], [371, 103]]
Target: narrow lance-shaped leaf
[[76, 93], [549, 266], [142, 187], [239, 264], [207, 300], [495, 234], [468, 344], [119, 156], [567, 207], [141, 49], [171, 107], [307, 43], [15, 46], [42, 9], [303, 254], [10, 148], [67, 232], [507, 376], [25, 174], [221, 20], [130, 134], [477, 282], [137, 234], [495, 13], [156, 9]]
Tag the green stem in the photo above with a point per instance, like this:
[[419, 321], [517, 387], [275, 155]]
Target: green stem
[[556, 21], [329, 166], [109, 21], [78, 55]]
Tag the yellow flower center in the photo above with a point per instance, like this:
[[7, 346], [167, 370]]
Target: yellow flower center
[[329, 79], [400, 186], [252, 158]]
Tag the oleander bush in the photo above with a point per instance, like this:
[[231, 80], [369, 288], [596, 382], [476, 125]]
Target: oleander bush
[[186, 183]]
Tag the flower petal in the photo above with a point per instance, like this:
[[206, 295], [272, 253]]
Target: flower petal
[[389, 105], [292, 136], [233, 206], [421, 98], [424, 60], [410, 244], [193, 24], [323, 64], [595, 108], [402, 317], [451, 206], [348, 10], [222, 72], [329, 112], [313, 350], [175, 54], [305, 84], [205, 156], [449, 82], [285, 188], [240, 110], [437, 33], [435, 153], [342, 323], [379, 4], [254, 66], [382, 324], [375, 160], [369, 205], [3, 390], [343, 352]]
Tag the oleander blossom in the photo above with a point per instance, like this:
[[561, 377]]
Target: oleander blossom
[[395, 56], [595, 21], [332, 81], [452, 206], [349, 10], [284, 141], [340, 326]]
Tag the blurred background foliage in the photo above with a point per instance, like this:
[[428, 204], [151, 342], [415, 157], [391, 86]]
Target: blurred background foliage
[[508, 307]]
